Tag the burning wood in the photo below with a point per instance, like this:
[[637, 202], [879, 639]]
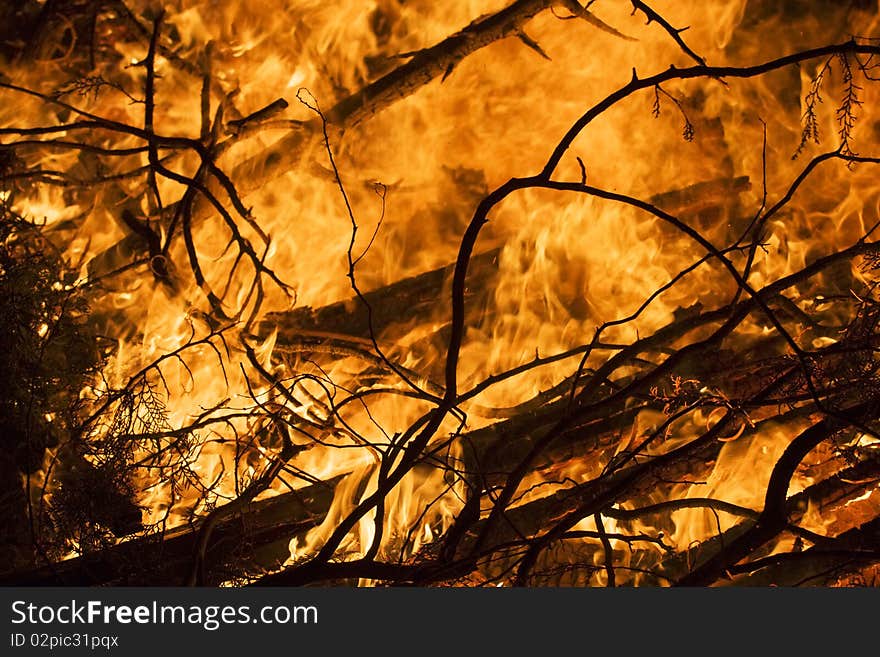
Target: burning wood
[[484, 320]]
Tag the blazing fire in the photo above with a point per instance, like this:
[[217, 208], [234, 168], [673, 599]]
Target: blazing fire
[[504, 293]]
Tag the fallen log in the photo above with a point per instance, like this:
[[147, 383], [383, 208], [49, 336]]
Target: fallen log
[[300, 142], [827, 557], [691, 200], [423, 67], [420, 297], [256, 539], [830, 493], [845, 555], [396, 304]]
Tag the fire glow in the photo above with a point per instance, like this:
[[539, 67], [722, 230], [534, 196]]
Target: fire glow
[[503, 293]]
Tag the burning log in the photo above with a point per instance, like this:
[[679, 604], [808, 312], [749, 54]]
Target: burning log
[[834, 561], [400, 303], [417, 297], [841, 489], [424, 66], [254, 539]]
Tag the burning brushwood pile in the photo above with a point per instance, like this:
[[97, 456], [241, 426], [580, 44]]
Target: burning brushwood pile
[[498, 293]]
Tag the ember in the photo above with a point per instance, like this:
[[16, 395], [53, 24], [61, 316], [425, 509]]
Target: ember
[[527, 293]]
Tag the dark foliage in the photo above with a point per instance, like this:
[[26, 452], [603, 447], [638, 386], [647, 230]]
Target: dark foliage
[[49, 352]]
